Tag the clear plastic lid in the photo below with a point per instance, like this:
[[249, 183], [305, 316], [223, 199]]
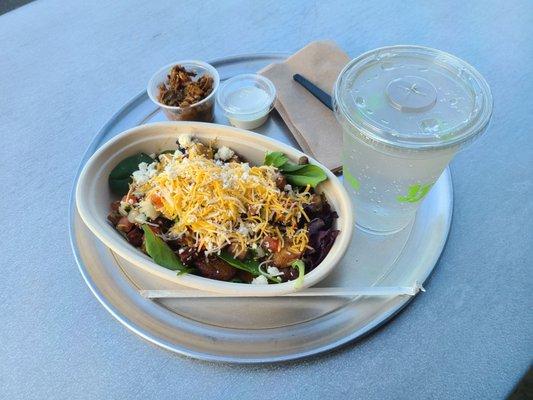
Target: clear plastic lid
[[414, 97]]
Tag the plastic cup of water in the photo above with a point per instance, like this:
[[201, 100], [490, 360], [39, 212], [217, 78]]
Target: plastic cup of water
[[405, 111]]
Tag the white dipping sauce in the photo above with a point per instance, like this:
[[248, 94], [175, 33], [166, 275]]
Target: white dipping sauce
[[247, 100]]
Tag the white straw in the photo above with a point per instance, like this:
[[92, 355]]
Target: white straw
[[313, 292]]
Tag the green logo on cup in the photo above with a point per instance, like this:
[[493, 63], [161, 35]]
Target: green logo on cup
[[415, 193], [352, 180]]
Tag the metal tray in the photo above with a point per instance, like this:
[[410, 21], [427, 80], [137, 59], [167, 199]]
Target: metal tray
[[260, 330]]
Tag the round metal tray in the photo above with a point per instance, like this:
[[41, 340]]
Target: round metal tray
[[258, 330]]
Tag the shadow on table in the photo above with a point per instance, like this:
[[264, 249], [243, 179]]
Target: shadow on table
[[8, 5], [524, 388]]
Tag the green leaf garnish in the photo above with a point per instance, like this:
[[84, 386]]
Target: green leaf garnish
[[308, 175], [291, 167], [276, 159], [296, 174], [161, 253], [301, 273], [251, 266], [120, 177]]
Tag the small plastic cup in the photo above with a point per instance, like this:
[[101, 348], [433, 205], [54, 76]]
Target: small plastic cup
[[201, 111], [246, 100]]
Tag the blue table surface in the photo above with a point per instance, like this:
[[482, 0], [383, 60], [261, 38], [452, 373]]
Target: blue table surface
[[66, 67]]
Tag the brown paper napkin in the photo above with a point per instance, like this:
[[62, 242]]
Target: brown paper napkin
[[313, 124]]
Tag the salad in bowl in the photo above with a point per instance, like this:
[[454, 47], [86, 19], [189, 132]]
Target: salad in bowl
[[192, 202]]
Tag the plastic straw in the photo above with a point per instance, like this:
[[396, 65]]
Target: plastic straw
[[312, 292]]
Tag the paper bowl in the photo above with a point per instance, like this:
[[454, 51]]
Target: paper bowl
[[93, 198]]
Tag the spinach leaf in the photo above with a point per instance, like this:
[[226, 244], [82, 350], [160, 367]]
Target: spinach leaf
[[161, 253], [301, 272], [251, 266], [291, 167], [308, 175], [120, 177], [276, 159], [296, 174]]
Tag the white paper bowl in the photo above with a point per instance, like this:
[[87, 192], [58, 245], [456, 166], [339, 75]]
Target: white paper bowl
[[93, 198]]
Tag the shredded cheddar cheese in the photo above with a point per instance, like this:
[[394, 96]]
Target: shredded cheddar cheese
[[213, 203]]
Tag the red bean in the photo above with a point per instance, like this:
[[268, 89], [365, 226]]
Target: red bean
[[115, 205], [124, 225], [215, 268], [135, 237], [281, 182], [187, 255], [113, 218]]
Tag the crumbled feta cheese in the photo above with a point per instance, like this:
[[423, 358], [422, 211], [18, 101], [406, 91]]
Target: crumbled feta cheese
[[228, 179], [166, 157], [132, 215], [259, 252], [260, 280], [141, 218], [147, 208], [287, 188], [245, 171], [243, 230], [185, 141], [224, 153], [144, 173], [171, 170], [123, 208], [254, 227], [274, 271]]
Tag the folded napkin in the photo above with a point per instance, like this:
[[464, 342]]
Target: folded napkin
[[312, 124]]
